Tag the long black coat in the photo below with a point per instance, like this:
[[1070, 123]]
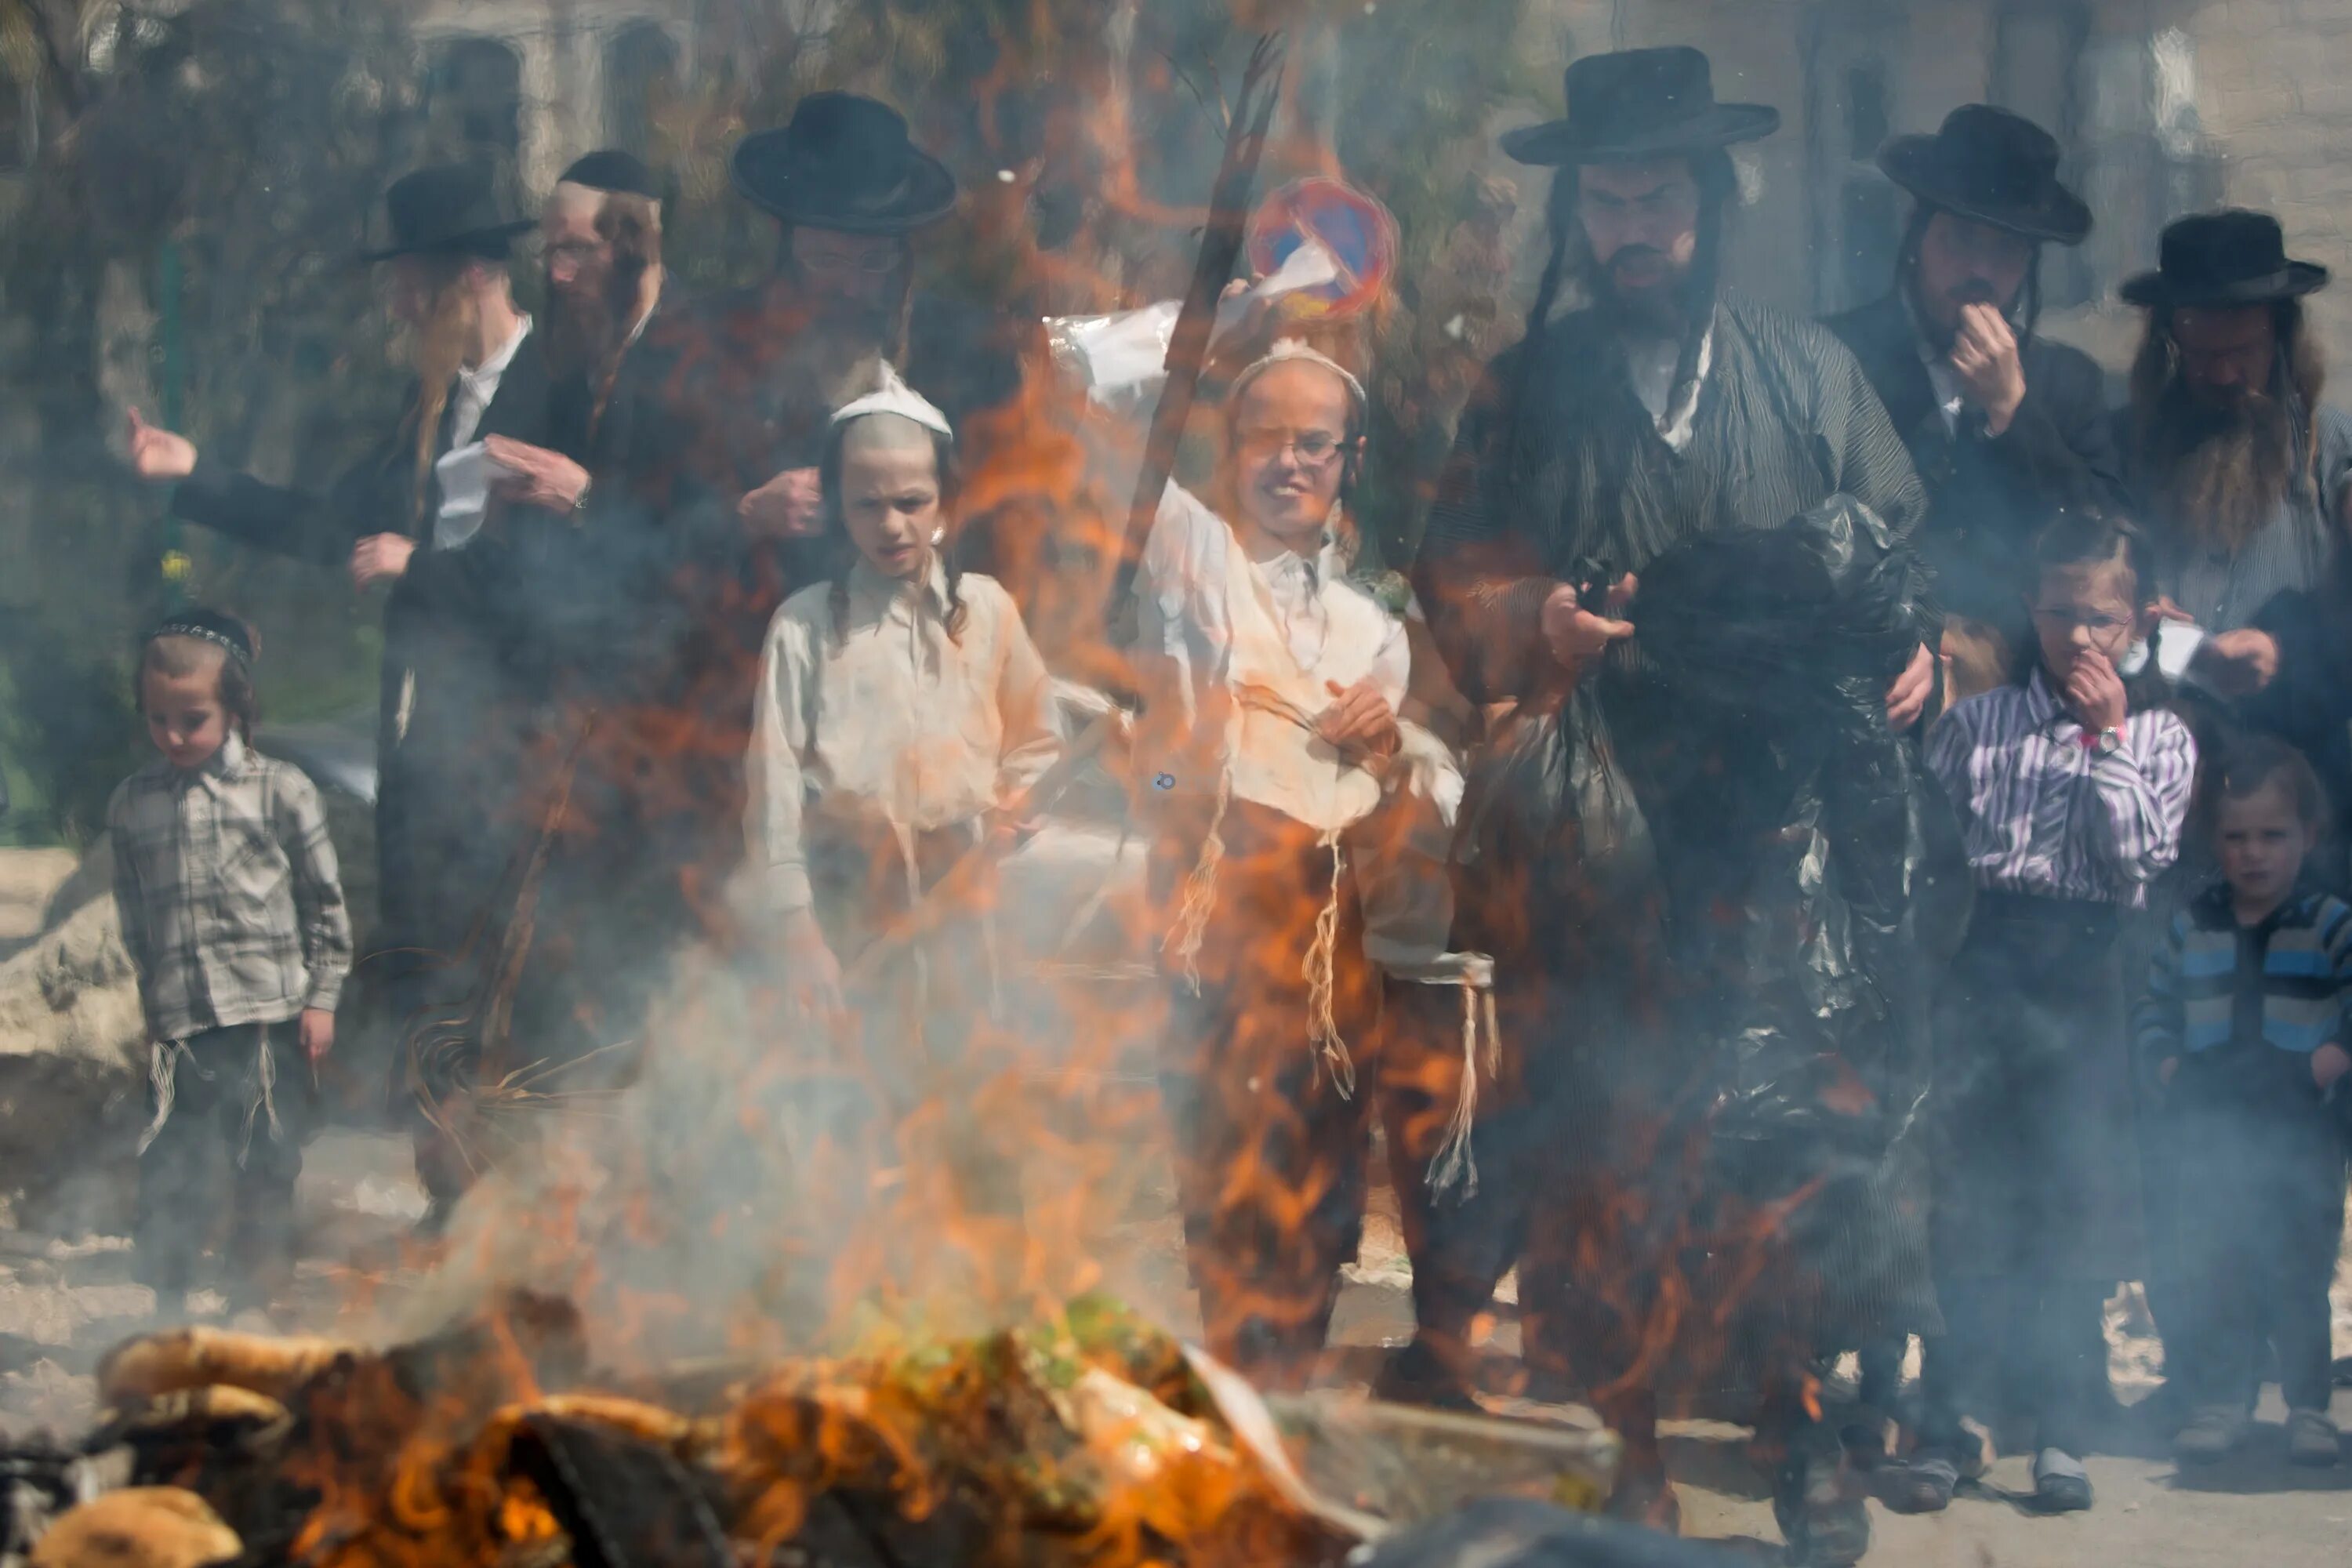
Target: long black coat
[[1557, 460], [444, 815], [1987, 495]]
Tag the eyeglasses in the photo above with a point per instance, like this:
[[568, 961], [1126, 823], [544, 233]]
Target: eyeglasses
[[574, 251], [1313, 448], [2065, 620]]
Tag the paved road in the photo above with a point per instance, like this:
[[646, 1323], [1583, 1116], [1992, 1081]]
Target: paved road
[[61, 1303]]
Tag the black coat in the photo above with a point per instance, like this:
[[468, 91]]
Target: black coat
[[446, 736], [1988, 495], [1556, 461]]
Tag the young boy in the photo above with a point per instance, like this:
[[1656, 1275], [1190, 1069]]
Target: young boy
[[1300, 840], [234, 918], [2244, 1023]]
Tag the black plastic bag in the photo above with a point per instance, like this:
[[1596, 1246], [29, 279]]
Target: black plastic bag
[[1546, 795], [1812, 866]]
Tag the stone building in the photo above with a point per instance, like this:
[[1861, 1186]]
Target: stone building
[[2163, 107], [532, 83]]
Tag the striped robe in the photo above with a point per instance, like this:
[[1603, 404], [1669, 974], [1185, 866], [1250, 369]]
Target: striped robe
[[1785, 420]]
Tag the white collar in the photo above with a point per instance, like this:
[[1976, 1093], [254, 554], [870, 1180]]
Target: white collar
[[1651, 362], [930, 585], [490, 369]]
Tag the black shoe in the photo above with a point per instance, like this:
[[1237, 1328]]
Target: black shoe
[[2059, 1484], [1419, 1376], [1922, 1484]]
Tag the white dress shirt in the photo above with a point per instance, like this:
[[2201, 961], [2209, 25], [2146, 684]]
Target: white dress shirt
[[476, 387], [1652, 361]]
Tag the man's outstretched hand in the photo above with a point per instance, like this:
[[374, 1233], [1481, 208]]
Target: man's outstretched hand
[[1575, 634], [381, 557], [1907, 698], [2237, 663], [785, 507], [534, 476], [159, 455]]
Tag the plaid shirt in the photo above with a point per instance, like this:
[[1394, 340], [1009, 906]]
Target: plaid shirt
[[231, 906]]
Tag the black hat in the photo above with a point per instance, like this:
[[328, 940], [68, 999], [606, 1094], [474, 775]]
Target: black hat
[[844, 162], [447, 208], [1991, 166], [613, 170], [1636, 104], [2223, 259]]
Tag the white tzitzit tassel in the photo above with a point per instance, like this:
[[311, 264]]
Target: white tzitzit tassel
[[1454, 1162], [264, 1103], [163, 1077], [1200, 889], [1322, 1025]]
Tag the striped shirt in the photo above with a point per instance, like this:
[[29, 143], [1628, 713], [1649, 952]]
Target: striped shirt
[[232, 909], [2042, 813], [2285, 982]]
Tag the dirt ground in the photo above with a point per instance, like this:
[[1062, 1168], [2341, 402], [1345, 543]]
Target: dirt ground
[[64, 1300]]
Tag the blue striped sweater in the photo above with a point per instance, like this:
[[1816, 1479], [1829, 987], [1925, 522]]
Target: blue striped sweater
[[2285, 982]]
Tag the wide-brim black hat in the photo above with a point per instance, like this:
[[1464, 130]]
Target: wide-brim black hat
[[1993, 167], [844, 162], [1636, 104], [448, 209], [2222, 260]]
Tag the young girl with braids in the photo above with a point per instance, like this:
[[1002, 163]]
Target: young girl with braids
[[902, 707], [2070, 786], [234, 918]]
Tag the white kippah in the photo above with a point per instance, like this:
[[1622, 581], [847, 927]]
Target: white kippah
[[1289, 350], [893, 395]]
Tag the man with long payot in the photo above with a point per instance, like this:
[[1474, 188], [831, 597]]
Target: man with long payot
[[606, 282], [2003, 424], [1667, 409], [2242, 472], [565, 539], [445, 834]]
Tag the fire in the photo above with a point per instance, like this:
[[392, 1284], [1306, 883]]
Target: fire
[[1086, 1436]]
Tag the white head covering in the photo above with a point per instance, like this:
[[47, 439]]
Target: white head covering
[[893, 395], [1287, 350]]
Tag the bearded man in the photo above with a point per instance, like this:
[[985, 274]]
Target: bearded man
[[1666, 410], [601, 243], [2243, 475], [446, 807], [2005, 426]]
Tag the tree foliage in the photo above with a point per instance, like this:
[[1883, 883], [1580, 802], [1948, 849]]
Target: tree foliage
[[185, 243]]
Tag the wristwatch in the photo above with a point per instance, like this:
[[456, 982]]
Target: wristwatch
[[2110, 742]]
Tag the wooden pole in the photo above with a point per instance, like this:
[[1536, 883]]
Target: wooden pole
[[1187, 345]]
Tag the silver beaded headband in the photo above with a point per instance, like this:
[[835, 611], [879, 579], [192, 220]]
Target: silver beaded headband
[[236, 650]]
